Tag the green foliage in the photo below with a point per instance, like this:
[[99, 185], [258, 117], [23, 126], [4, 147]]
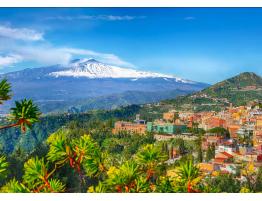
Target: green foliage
[[164, 185], [210, 154], [13, 186], [5, 90], [151, 159], [123, 179], [188, 171], [89, 153], [226, 183], [59, 150], [25, 114], [35, 172], [150, 156], [3, 167], [220, 131], [100, 188], [56, 186], [180, 144]]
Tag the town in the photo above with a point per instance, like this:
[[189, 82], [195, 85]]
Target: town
[[229, 138]]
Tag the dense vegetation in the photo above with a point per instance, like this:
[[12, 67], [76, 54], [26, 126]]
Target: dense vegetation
[[72, 160]]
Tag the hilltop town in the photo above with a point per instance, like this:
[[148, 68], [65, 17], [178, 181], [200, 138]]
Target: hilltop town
[[229, 138]]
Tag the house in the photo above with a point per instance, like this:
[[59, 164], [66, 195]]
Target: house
[[128, 127], [162, 127], [138, 126], [223, 157], [227, 146], [228, 168], [170, 116], [211, 139], [233, 129], [213, 122], [257, 134]]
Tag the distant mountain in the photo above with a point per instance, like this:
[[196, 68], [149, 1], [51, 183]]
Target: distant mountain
[[113, 101], [237, 90], [90, 68], [90, 84]]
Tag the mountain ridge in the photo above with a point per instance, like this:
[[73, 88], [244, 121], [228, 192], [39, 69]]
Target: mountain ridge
[[238, 90], [49, 91]]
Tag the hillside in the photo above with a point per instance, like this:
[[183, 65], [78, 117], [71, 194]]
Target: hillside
[[112, 101], [238, 90]]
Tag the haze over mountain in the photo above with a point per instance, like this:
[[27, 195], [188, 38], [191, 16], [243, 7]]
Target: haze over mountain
[[86, 81]]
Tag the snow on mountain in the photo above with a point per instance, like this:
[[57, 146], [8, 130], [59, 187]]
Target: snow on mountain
[[90, 68]]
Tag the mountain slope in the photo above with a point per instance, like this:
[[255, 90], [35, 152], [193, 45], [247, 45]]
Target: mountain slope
[[237, 90], [112, 101], [61, 86]]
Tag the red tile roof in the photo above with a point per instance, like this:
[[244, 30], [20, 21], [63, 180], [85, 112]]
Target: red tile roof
[[219, 160], [227, 154]]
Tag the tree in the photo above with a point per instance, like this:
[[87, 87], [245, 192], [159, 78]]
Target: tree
[[175, 117], [189, 176], [36, 178], [5, 91], [150, 158], [124, 178], [258, 185], [180, 144], [252, 177], [226, 183], [209, 154], [24, 114], [199, 149], [220, 131]]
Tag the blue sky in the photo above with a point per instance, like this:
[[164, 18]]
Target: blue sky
[[201, 44]]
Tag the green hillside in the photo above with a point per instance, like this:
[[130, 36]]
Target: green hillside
[[238, 90]]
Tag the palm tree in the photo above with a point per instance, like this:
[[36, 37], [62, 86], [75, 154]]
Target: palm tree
[[124, 178], [5, 89], [24, 114], [189, 173], [150, 159]]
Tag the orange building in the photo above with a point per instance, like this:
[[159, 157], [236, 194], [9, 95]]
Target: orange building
[[223, 157], [213, 122], [128, 127], [233, 130], [257, 135], [169, 116]]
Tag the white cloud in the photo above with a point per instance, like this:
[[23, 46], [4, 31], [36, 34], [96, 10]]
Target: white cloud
[[50, 55], [96, 17], [189, 18], [44, 55], [9, 60], [20, 33], [43, 52], [103, 57]]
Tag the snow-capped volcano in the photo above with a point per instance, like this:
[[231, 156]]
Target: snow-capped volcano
[[94, 85], [91, 68]]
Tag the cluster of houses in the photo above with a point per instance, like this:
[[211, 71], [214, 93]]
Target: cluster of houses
[[168, 126], [243, 122]]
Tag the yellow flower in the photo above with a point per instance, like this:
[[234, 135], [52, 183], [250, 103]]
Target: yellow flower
[[244, 190], [112, 171]]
